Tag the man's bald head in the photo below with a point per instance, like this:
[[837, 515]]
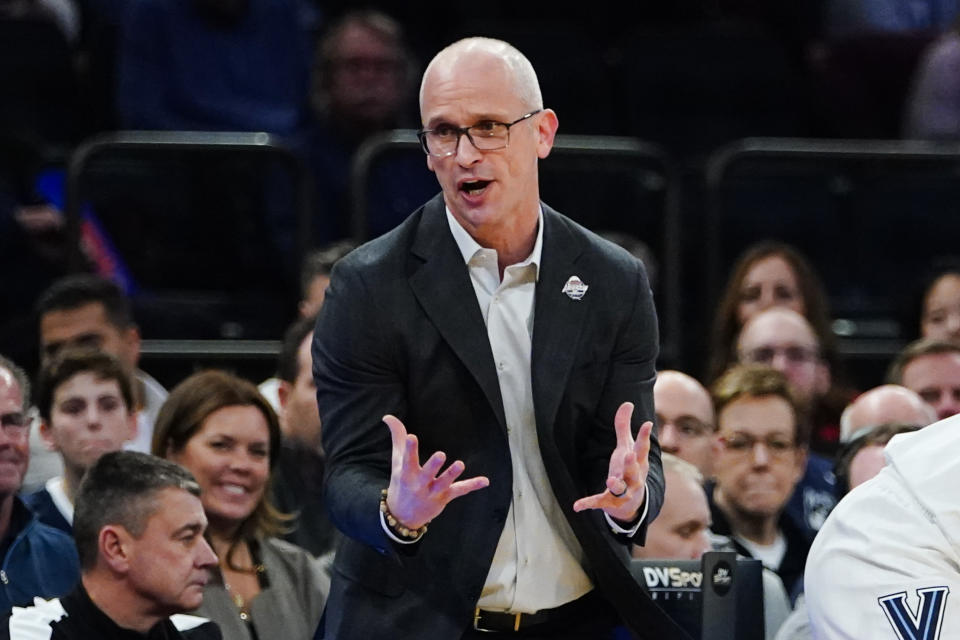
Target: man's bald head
[[685, 419], [785, 340], [487, 51], [886, 404]]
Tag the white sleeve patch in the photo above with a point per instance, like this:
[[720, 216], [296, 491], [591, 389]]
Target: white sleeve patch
[[33, 623]]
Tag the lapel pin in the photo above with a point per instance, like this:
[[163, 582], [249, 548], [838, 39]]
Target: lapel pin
[[575, 288]]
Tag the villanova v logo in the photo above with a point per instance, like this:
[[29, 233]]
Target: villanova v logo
[[926, 624]]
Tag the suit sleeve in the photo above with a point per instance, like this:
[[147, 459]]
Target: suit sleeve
[[631, 376], [357, 384]]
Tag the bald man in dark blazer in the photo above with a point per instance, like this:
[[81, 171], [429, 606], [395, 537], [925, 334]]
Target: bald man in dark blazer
[[409, 331]]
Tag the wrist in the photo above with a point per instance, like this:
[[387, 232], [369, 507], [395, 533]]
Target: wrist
[[396, 526]]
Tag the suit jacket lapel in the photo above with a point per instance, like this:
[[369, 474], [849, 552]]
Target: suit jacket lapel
[[558, 319], [442, 285]]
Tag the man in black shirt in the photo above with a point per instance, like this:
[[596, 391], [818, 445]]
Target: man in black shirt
[[138, 526]]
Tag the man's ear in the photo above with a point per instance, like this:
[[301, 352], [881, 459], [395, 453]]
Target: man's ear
[[546, 132], [46, 434], [114, 544], [283, 393], [131, 343]]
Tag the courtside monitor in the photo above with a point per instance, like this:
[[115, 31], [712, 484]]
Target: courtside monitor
[[719, 597]]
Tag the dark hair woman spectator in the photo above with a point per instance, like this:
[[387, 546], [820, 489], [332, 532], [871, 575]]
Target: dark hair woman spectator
[[937, 305], [224, 432]]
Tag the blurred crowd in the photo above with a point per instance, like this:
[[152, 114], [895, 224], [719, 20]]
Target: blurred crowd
[[763, 431]]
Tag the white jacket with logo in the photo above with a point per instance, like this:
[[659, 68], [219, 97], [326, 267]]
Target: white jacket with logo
[[886, 563]]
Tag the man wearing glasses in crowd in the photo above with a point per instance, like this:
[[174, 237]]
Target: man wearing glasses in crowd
[[512, 343], [685, 423], [762, 453], [783, 339], [37, 560]]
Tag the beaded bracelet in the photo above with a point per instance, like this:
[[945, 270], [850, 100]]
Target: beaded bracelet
[[399, 529]]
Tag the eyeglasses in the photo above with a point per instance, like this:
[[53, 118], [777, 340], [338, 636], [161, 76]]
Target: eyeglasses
[[488, 135], [685, 427], [794, 354], [741, 444]]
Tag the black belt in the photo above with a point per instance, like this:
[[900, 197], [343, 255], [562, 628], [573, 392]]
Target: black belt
[[503, 622]]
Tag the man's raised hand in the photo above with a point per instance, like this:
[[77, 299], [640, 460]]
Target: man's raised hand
[[417, 494], [627, 475]]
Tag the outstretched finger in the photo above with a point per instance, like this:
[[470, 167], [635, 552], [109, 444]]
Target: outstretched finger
[[596, 501], [432, 466], [451, 473], [642, 445], [463, 487], [411, 453], [621, 424], [398, 436]]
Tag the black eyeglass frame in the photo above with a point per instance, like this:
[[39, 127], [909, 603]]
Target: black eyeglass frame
[[465, 131]]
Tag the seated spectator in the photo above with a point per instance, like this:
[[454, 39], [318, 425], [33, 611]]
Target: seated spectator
[[85, 399], [363, 81], [298, 486], [933, 105], [315, 275], [862, 458], [85, 310], [772, 274], [939, 303], [885, 561], [931, 368], [212, 65], [784, 340], [139, 532], [363, 75], [856, 17], [222, 430], [37, 560], [886, 404], [681, 531], [685, 423], [762, 454]]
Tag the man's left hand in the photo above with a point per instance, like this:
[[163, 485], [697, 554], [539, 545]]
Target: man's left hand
[[627, 476]]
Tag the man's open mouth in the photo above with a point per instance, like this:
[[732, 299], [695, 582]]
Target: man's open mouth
[[474, 186]]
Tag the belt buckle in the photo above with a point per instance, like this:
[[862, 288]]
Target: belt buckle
[[477, 627]]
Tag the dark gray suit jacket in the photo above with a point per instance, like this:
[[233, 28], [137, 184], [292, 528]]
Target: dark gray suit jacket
[[401, 332]]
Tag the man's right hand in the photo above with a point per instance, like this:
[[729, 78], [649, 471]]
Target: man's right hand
[[417, 494]]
